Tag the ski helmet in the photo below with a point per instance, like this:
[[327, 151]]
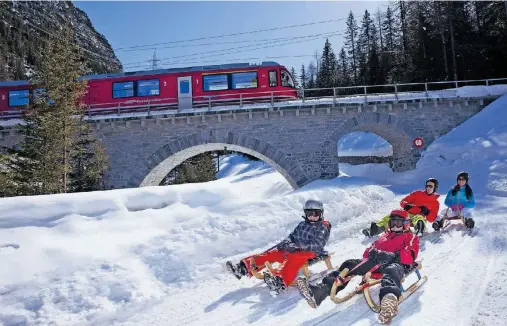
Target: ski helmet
[[435, 182], [398, 218], [463, 175], [313, 207]]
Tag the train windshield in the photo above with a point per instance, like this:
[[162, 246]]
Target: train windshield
[[287, 80]]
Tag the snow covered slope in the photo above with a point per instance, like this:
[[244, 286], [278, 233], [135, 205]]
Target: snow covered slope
[[154, 256]]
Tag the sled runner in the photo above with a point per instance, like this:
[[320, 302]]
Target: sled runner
[[371, 279], [468, 223], [259, 271]]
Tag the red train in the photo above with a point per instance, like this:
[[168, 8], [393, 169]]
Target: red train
[[181, 88]]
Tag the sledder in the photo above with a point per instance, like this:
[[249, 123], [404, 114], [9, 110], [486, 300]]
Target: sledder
[[304, 246], [387, 261], [459, 200], [422, 206]]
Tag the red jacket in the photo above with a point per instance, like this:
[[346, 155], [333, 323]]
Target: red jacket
[[407, 244], [421, 198]]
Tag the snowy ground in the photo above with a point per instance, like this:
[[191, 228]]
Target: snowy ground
[[154, 255], [362, 143]]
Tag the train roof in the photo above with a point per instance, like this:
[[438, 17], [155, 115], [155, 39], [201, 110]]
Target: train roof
[[183, 69], [157, 72]]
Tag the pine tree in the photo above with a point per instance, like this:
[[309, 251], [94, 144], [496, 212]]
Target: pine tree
[[295, 76], [52, 132], [351, 45], [344, 69], [327, 74], [89, 161], [303, 77]]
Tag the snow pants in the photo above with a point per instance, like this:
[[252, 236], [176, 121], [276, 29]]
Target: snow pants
[[391, 275], [290, 262]]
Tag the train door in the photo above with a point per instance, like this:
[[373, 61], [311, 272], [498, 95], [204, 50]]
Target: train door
[[185, 92]]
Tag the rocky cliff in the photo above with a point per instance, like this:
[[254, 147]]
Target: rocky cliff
[[24, 25]]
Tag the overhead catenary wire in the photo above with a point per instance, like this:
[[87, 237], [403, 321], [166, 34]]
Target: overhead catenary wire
[[312, 36], [231, 34]]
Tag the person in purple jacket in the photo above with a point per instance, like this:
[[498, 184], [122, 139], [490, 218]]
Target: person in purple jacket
[[307, 241]]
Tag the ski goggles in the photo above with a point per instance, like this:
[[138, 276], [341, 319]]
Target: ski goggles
[[396, 221], [313, 212]]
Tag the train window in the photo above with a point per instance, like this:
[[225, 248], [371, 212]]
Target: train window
[[125, 89], [244, 80], [19, 97], [287, 79], [215, 82], [273, 80], [148, 87]]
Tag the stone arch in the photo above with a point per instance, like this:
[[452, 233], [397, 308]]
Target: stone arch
[[388, 126], [176, 151]]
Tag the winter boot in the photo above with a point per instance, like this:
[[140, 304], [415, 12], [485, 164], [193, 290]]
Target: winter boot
[[314, 294], [238, 270], [419, 228], [469, 223], [274, 283], [388, 308], [437, 225]]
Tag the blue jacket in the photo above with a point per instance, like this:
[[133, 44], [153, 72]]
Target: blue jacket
[[311, 236], [460, 198]]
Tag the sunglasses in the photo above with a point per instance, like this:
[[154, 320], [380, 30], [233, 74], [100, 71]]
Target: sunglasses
[[430, 186], [462, 179]]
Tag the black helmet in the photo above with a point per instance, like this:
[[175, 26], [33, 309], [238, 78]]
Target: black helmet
[[463, 175], [312, 206], [435, 182]]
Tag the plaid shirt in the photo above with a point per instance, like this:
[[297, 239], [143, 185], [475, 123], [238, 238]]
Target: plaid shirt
[[311, 236]]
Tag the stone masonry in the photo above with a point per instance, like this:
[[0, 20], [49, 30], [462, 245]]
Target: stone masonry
[[300, 142]]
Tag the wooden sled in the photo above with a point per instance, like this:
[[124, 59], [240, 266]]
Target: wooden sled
[[372, 279], [258, 271]]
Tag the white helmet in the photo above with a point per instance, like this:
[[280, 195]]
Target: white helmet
[[313, 206]]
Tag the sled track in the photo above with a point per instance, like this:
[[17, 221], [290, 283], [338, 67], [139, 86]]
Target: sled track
[[409, 307]]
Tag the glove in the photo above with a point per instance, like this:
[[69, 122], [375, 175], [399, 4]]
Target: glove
[[408, 206], [384, 257], [292, 247], [424, 210], [372, 254], [461, 206], [282, 246], [453, 207]]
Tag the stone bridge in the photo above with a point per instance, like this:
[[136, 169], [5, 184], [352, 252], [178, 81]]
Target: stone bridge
[[300, 142]]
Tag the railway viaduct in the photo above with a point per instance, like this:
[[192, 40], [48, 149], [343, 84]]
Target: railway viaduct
[[299, 141]]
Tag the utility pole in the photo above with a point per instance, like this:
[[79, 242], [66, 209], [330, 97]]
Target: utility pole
[[154, 60]]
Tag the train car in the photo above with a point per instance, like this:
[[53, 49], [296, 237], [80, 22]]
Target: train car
[[190, 87], [181, 88], [14, 95]]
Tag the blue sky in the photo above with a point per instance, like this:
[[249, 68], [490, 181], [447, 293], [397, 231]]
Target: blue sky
[[127, 24]]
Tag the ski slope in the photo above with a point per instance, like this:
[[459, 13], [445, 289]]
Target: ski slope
[[155, 255]]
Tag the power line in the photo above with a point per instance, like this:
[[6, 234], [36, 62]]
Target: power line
[[234, 48], [264, 47], [207, 44], [233, 34], [189, 61]]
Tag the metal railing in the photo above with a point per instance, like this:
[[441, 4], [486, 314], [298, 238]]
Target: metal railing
[[268, 99]]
